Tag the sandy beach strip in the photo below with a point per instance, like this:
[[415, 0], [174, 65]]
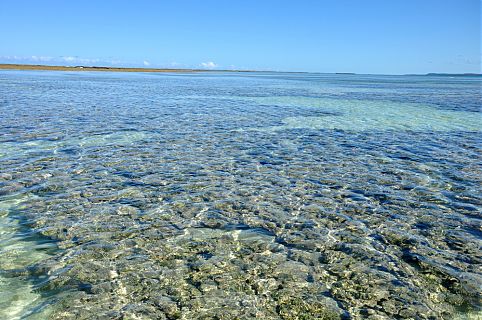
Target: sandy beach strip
[[88, 68]]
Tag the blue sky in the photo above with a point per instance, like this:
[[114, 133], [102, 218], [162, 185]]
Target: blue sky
[[363, 36]]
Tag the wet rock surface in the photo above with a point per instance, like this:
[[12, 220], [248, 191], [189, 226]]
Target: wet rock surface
[[165, 209]]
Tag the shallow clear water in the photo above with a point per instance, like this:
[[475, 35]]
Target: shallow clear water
[[276, 196]]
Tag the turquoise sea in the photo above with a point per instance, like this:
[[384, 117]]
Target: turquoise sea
[[239, 196]]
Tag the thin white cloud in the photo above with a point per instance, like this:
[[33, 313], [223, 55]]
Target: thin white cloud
[[9, 58], [30, 58], [41, 58], [115, 62], [71, 59], [208, 65]]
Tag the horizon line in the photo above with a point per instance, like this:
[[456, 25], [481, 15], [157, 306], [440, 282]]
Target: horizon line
[[46, 67]]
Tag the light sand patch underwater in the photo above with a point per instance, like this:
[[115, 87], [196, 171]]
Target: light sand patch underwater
[[18, 297], [359, 115]]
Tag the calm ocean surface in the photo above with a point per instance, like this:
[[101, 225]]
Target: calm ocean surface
[[239, 196]]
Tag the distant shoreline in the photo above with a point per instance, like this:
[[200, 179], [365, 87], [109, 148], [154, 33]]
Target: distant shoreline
[[6, 66], [88, 68]]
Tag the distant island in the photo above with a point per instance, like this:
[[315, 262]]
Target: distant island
[[455, 74]]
